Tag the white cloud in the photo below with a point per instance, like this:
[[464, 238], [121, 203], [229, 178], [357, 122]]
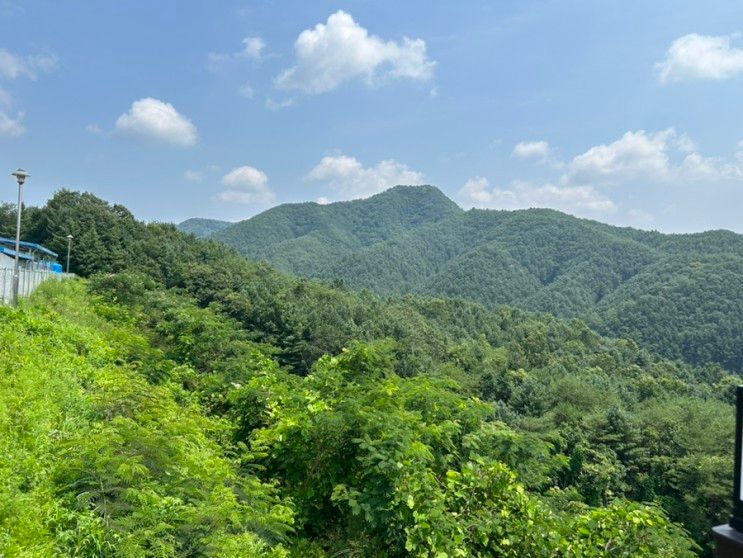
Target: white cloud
[[532, 149], [609, 179], [659, 157], [252, 48], [278, 105], [685, 144], [246, 185], [348, 177], [696, 56], [247, 91], [10, 126], [14, 65], [341, 50], [636, 155], [93, 129], [193, 176], [578, 200], [154, 119], [322, 200]]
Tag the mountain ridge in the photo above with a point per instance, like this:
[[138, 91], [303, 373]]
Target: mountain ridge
[[416, 240], [202, 228]]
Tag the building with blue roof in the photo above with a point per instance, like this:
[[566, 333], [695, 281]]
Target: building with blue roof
[[30, 255]]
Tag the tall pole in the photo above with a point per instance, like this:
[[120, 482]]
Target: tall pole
[[20, 175], [69, 244], [16, 271]]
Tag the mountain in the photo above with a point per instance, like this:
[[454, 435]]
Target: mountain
[[202, 228], [177, 396], [304, 238], [681, 295]]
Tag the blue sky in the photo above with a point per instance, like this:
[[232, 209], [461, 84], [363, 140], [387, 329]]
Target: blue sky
[[628, 112]]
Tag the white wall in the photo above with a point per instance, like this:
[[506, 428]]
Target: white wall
[[28, 281], [6, 261]]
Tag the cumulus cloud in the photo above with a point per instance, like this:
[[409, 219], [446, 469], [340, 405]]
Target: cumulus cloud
[[14, 65], [695, 56], [635, 155], [246, 185], [252, 48], [578, 200], [11, 126], [150, 118], [590, 183], [349, 178], [341, 50], [532, 149], [659, 157]]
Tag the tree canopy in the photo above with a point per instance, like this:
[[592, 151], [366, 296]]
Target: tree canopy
[[185, 401], [680, 295]]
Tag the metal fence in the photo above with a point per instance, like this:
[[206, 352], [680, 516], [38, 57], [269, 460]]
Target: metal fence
[[28, 281]]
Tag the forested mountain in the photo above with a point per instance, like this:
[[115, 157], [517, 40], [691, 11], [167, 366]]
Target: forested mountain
[[681, 295], [202, 228], [185, 401], [303, 238]]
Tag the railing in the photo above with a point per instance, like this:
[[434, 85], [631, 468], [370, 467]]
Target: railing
[[28, 281]]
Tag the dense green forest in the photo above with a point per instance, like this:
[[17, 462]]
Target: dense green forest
[[203, 228], [680, 295], [184, 401]]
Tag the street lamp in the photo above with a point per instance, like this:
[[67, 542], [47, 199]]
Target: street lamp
[[69, 244], [21, 176]]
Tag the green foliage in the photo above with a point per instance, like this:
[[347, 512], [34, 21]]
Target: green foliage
[[213, 417], [301, 238], [677, 294], [97, 461], [202, 228]]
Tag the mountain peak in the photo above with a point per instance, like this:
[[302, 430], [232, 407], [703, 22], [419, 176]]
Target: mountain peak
[[303, 237], [202, 228]]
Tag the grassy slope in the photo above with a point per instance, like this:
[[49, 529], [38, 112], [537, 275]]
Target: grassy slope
[[96, 461]]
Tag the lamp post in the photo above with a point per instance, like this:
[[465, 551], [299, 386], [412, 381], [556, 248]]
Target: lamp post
[[20, 176], [69, 245]]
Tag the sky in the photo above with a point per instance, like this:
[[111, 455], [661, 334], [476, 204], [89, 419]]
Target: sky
[[627, 112]]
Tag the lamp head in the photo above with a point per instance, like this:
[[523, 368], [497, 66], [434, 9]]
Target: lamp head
[[70, 237], [20, 176]]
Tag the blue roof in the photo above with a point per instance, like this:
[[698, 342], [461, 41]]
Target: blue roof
[[30, 245], [11, 253]]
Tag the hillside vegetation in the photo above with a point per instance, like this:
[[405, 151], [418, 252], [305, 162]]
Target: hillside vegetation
[[202, 228], [681, 295], [303, 238], [185, 401]]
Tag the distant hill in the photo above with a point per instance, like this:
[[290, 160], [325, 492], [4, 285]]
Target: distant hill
[[681, 295], [307, 238], [202, 228]]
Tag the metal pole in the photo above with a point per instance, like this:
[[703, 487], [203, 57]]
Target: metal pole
[[69, 243], [17, 247]]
